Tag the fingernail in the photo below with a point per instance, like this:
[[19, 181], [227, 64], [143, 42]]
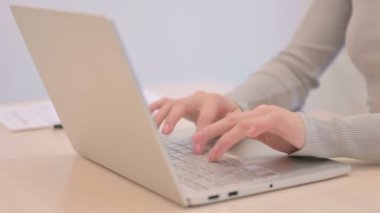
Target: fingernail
[[213, 156], [198, 148], [166, 128], [195, 148]]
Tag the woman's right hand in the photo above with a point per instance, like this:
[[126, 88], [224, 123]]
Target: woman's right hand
[[202, 108]]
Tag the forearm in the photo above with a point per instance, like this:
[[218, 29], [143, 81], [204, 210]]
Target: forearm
[[268, 87]]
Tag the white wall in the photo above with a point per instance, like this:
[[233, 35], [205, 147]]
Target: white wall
[[168, 41]]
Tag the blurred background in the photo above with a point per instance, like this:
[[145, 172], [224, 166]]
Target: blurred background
[[180, 42]]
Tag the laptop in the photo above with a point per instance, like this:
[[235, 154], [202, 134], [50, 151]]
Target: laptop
[[91, 83]]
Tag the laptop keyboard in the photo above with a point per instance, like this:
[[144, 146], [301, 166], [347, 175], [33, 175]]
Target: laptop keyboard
[[197, 173]]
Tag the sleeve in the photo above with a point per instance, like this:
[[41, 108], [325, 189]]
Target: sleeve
[[287, 79], [353, 137]]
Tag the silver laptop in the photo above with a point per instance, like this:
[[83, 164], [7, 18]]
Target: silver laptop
[[91, 83]]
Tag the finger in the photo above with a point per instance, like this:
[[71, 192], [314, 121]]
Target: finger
[[157, 104], [255, 125], [162, 113], [273, 132], [261, 110], [212, 131], [201, 138], [229, 139], [262, 124], [270, 123], [222, 126], [240, 126], [206, 116], [172, 118], [269, 118]]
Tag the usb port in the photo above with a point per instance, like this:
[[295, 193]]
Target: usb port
[[213, 197], [234, 193]]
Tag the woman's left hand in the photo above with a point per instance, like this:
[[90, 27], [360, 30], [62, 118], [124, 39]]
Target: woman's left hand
[[278, 128]]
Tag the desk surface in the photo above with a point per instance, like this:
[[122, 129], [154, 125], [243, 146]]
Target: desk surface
[[40, 172]]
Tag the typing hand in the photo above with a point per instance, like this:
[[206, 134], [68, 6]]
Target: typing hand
[[202, 108], [276, 127]]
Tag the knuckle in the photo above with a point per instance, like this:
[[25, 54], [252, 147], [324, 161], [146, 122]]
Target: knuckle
[[272, 107], [174, 103], [164, 99], [267, 108], [199, 93], [243, 125], [178, 110], [262, 107], [214, 96], [159, 116], [170, 101], [231, 118], [275, 116], [225, 143], [158, 120], [204, 117]]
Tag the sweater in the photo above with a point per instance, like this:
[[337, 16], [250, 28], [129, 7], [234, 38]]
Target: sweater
[[287, 79]]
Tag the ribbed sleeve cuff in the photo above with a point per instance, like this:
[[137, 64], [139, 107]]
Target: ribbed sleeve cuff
[[320, 141]]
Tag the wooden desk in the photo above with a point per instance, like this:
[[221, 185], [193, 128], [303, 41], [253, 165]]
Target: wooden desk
[[40, 172]]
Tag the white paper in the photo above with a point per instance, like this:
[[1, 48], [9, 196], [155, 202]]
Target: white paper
[[31, 115], [40, 114]]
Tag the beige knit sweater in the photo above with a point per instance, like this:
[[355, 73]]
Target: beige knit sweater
[[287, 79]]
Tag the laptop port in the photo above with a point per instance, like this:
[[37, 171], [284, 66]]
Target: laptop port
[[213, 197], [233, 193]]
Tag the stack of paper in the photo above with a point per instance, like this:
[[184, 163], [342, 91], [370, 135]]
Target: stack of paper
[[39, 114], [32, 115]]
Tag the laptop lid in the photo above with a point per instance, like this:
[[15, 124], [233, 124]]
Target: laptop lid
[[87, 75]]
